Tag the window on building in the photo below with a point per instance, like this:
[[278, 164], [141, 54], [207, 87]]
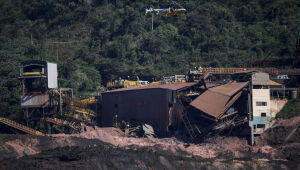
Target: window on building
[[261, 125], [263, 114], [261, 103], [260, 87], [254, 126]]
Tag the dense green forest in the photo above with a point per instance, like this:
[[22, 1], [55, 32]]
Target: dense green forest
[[94, 41]]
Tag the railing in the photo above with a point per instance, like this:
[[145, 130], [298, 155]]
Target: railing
[[19, 126], [220, 70]]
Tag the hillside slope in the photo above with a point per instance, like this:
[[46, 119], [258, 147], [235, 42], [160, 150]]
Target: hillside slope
[[97, 41]]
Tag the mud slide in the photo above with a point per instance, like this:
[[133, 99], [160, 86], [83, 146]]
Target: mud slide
[[108, 148]]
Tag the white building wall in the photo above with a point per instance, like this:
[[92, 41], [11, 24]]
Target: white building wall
[[261, 95], [52, 75]]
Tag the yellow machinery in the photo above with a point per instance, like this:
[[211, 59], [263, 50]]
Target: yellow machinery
[[34, 73], [127, 83], [78, 108], [61, 122], [156, 83], [122, 83], [90, 100]]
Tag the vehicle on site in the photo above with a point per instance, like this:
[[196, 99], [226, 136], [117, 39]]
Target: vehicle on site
[[171, 9]]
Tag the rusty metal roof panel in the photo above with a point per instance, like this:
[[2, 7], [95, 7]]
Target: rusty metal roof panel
[[210, 103], [230, 88], [174, 86], [214, 101]]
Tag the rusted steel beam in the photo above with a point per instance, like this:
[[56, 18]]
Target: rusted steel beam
[[233, 113]]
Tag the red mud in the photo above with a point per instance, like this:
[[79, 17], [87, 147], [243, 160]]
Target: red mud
[[283, 138], [211, 148]]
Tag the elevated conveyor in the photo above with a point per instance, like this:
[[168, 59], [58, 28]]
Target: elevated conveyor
[[20, 127], [270, 70]]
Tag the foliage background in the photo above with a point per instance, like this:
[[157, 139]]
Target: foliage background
[[94, 41]]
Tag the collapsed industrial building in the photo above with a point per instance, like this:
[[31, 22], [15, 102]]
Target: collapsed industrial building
[[202, 107], [191, 108]]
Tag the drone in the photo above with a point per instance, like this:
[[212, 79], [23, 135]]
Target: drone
[[171, 9]]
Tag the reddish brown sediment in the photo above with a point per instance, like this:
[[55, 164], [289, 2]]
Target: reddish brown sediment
[[268, 146]]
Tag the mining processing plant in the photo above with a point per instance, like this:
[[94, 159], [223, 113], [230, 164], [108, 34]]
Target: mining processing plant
[[46, 108], [206, 102]]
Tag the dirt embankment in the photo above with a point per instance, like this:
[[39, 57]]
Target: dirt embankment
[[285, 137], [283, 132], [108, 148]]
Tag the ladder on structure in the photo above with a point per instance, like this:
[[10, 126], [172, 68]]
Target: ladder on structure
[[188, 126], [19, 126]]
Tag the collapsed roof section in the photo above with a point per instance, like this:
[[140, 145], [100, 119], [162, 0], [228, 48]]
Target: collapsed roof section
[[215, 101]]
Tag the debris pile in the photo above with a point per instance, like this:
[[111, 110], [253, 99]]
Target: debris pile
[[98, 147]]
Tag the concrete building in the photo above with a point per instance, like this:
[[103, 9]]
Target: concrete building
[[260, 102]]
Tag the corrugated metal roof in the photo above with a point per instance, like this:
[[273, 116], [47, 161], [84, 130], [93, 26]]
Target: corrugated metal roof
[[230, 88], [214, 100], [210, 103], [174, 86]]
